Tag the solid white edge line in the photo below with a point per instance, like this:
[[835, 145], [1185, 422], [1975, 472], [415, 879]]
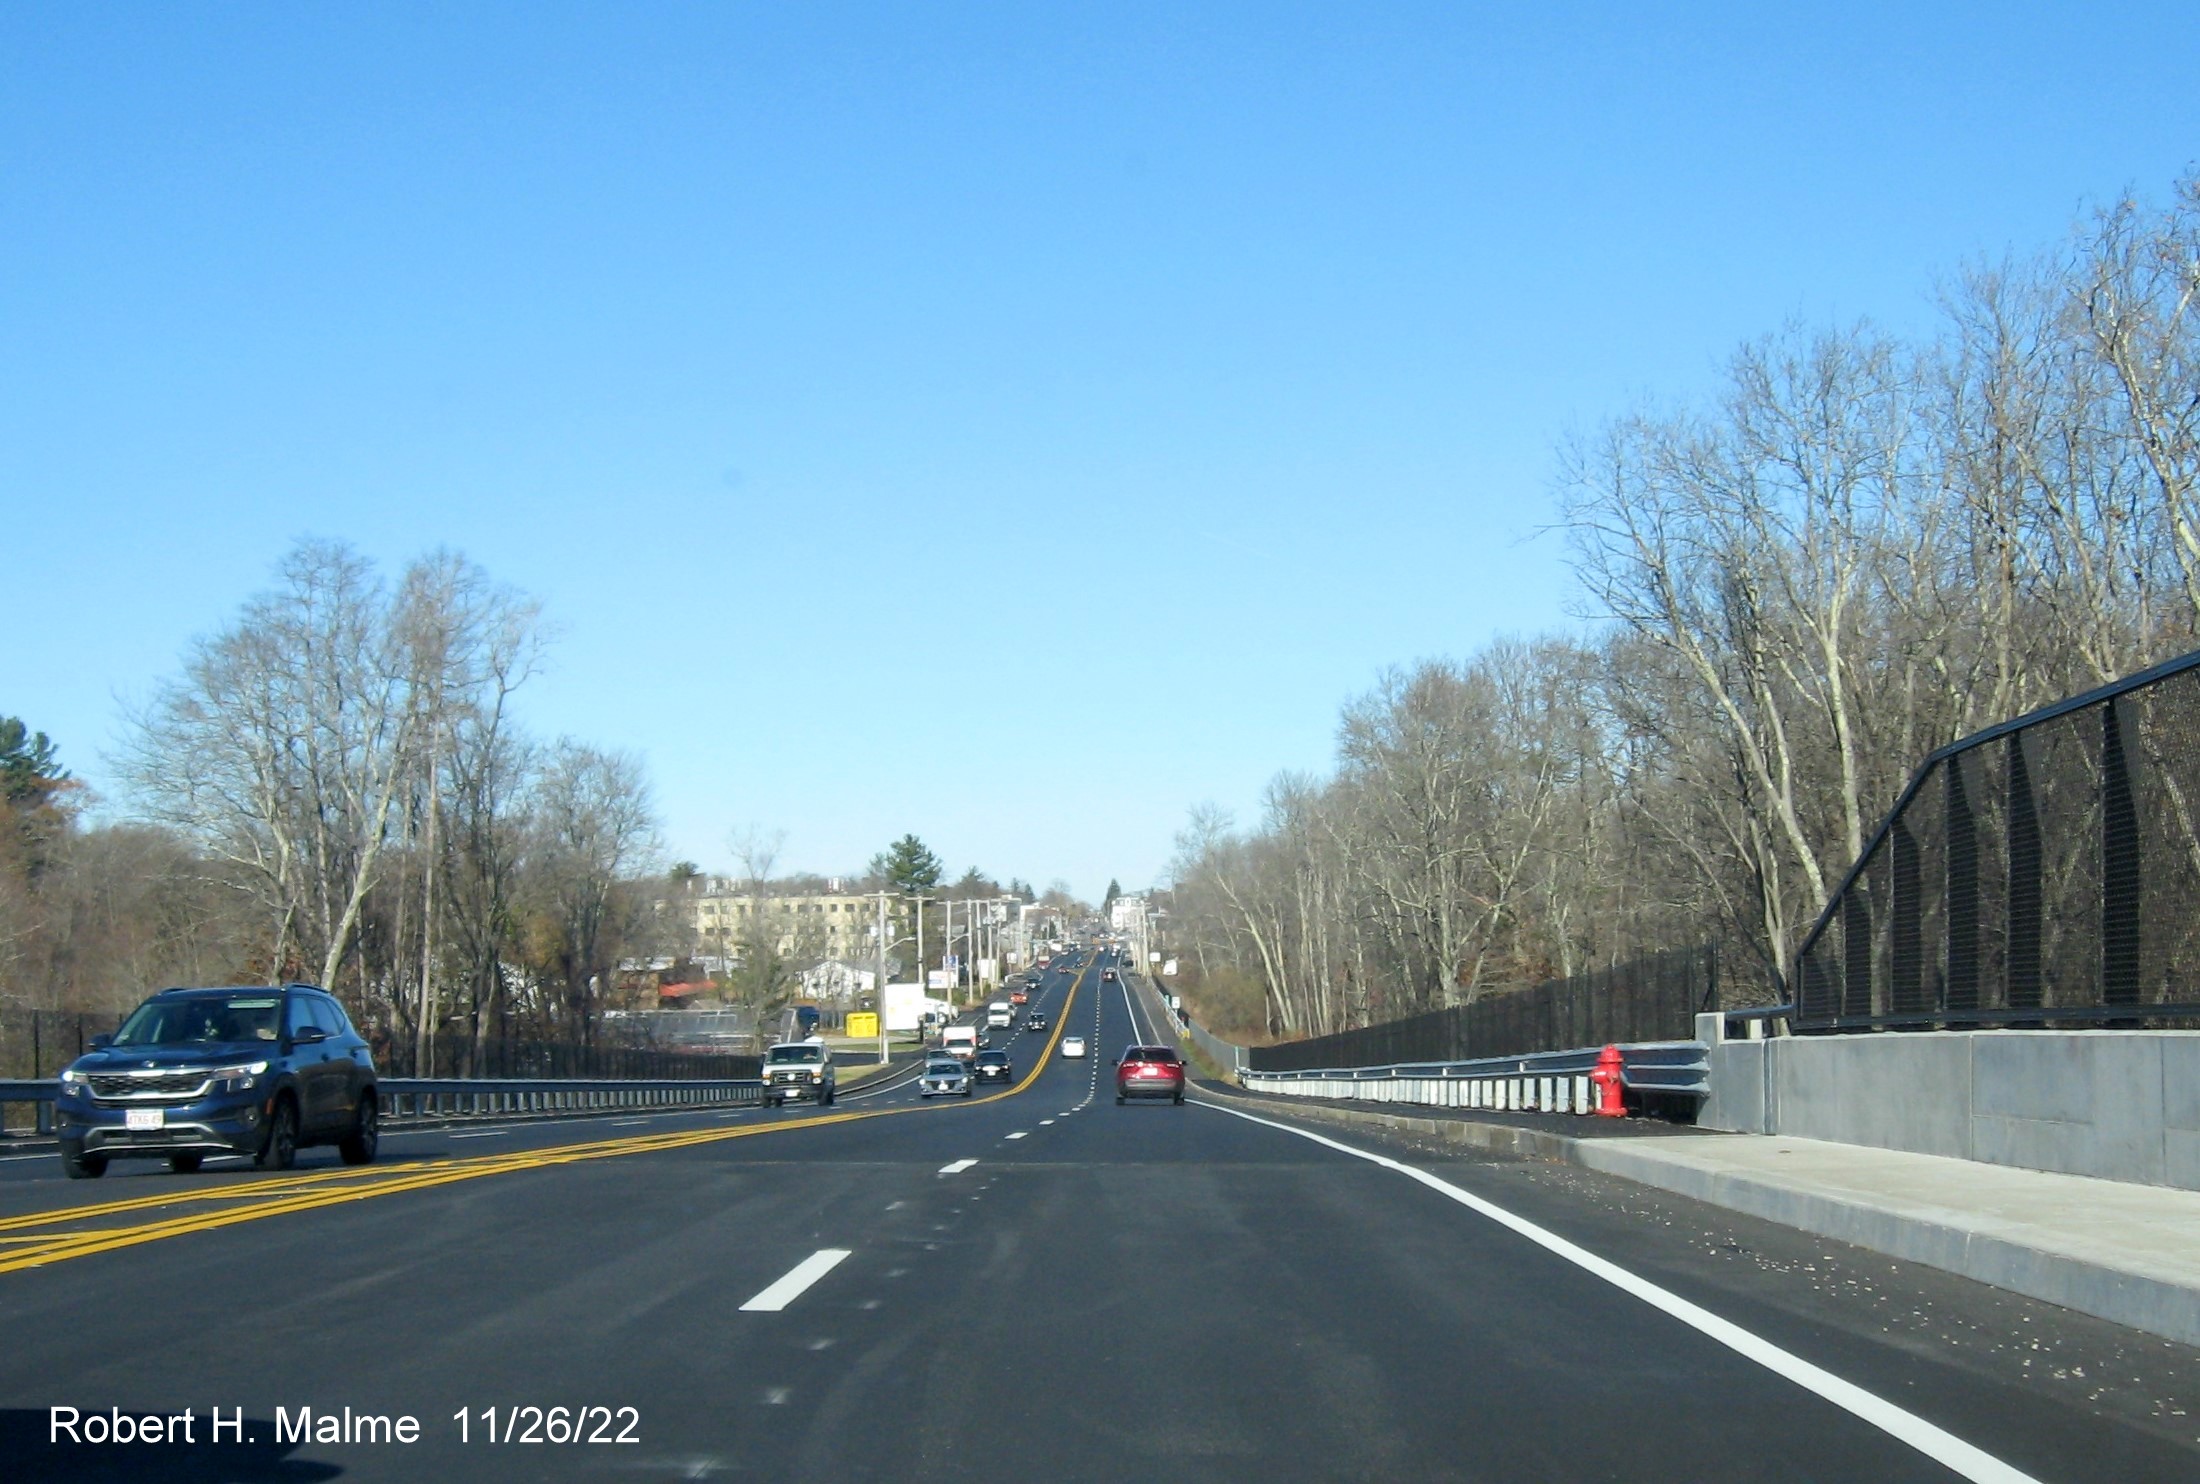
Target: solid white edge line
[[1935, 1442], [797, 1281]]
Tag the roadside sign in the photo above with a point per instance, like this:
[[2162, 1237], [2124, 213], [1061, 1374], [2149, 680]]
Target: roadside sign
[[862, 1024]]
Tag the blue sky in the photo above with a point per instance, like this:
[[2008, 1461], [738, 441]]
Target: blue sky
[[1010, 423]]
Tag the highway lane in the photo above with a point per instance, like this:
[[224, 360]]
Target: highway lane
[[1039, 1284]]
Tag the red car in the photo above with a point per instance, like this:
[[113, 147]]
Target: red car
[[1149, 1072], [1019, 997]]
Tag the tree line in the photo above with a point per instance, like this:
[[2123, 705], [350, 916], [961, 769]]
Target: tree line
[[1858, 548], [334, 787]]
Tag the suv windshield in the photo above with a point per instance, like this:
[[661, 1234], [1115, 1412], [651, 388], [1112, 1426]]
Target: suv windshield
[[796, 1053], [203, 1019], [994, 1058]]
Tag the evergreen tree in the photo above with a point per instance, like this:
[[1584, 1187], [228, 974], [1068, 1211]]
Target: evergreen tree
[[908, 866], [1115, 889], [31, 789], [28, 775]]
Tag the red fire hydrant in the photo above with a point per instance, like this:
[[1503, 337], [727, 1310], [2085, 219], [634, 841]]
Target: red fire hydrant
[[1607, 1079]]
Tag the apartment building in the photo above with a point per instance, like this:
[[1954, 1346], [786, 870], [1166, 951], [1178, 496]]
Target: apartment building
[[826, 925]]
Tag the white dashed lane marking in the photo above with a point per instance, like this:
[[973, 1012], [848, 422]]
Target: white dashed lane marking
[[957, 1167], [797, 1281]]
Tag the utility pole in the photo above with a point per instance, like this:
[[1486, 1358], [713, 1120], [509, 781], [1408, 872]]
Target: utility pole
[[924, 981], [878, 982]]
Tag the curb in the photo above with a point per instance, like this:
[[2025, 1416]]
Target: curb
[[2138, 1300]]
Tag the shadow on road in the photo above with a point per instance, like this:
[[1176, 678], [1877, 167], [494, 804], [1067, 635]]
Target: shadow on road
[[29, 1456]]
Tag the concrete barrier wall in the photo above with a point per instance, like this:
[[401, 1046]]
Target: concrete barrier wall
[[2120, 1105]]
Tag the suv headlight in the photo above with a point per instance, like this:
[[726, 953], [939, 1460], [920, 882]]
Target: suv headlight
[[73, 1081], [240, 1078]]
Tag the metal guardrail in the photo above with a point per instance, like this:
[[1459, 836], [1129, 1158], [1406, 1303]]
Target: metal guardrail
[[35, 1091], [410, 1099], [1545, 1082], [489, 1097]]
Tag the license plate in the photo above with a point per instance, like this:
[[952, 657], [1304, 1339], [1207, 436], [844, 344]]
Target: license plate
[[144, 1118]]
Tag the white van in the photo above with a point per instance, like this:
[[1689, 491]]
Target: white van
[[999, 1014], [959, 1041]]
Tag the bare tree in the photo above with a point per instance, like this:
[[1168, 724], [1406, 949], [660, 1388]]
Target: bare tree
[[594, 829]]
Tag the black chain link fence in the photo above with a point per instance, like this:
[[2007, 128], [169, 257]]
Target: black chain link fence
[[1655, 998], [39, 1043], [2045, 872], [513, 1056]]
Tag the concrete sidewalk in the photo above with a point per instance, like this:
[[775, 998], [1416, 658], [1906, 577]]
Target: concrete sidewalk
[[2122, 1252]]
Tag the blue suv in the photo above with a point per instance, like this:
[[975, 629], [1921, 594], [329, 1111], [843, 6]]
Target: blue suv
[[198, 1072]]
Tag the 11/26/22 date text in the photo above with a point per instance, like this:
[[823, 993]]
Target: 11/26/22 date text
[[554, 1425]]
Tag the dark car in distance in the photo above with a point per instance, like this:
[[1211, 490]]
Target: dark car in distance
[[1149, 1072], [199, 1072], [991, 1066]]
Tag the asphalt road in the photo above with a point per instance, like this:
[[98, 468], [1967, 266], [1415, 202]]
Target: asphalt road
[[1035, 1284]]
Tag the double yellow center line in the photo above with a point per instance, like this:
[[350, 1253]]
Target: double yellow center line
[[39, 1239]]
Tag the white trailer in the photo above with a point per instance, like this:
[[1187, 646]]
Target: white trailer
[[906, 1005]]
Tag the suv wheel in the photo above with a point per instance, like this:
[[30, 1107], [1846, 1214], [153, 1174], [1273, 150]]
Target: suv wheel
[[279, 1150], [358, 1146], [185, 1164], [82, 1166]]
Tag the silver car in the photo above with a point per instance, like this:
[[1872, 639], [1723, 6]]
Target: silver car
[[944, 1076]]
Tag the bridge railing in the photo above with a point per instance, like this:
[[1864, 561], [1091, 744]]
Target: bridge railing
[[2044, 872]]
